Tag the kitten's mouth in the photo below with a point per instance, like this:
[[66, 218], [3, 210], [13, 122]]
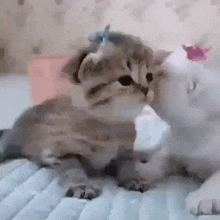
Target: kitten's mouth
[[145, 99], [144, 90], [148, 98]]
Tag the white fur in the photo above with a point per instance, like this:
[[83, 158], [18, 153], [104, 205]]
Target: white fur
[[194, 119]]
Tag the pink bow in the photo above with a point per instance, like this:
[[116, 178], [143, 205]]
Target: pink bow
[[198, 54]]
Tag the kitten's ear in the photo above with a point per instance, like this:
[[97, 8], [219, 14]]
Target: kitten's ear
[[71, 69], [187, 49], [97, 37], [160, 56], [107, 28]]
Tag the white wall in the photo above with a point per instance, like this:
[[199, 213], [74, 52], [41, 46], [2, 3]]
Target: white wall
[[61, 26]]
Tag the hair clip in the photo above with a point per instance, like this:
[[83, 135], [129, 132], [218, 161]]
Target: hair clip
[[198, 53]]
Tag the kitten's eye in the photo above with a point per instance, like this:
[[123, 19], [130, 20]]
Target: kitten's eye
[[125, 80], [149, 77]]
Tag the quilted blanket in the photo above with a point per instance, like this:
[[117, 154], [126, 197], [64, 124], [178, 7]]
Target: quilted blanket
[[29, 193]]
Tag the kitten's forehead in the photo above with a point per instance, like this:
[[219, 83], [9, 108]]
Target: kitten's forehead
[[96, 65]]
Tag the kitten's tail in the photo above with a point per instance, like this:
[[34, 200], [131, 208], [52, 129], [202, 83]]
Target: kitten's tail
[[10, 148]]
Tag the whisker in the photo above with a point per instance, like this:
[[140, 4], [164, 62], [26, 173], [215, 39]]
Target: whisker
[[94, 90], [101, 102]]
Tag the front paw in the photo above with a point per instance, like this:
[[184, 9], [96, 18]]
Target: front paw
[[201, 202], [83, 191], [135, 184]]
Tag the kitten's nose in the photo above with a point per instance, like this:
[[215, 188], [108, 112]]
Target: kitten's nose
[[145, 90], [141, 88]]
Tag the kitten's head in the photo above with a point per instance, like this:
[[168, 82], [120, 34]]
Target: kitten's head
[[115, 76], [187, 93]]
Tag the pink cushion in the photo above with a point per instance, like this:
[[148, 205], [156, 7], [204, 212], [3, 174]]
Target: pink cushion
[[44, 73]]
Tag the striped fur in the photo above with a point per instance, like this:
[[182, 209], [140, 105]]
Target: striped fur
[[111, 80]]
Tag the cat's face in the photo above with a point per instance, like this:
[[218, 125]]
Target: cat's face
[[187, 94], [115, 84]]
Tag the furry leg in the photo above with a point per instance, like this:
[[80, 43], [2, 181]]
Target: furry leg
[[74, 177], [206, 200], [128, 177]]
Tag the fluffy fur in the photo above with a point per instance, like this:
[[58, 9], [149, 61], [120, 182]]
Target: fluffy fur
[[81, 133], [187, 97]]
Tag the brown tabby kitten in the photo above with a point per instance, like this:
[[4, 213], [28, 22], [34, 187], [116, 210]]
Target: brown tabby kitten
[[79, 139]]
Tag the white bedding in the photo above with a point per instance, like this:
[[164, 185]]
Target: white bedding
[[27, 193], [31, 194]]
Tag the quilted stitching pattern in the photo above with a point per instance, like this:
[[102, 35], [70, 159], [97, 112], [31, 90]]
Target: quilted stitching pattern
[[29, 193]]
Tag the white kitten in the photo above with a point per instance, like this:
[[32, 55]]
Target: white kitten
[[187, 97]]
